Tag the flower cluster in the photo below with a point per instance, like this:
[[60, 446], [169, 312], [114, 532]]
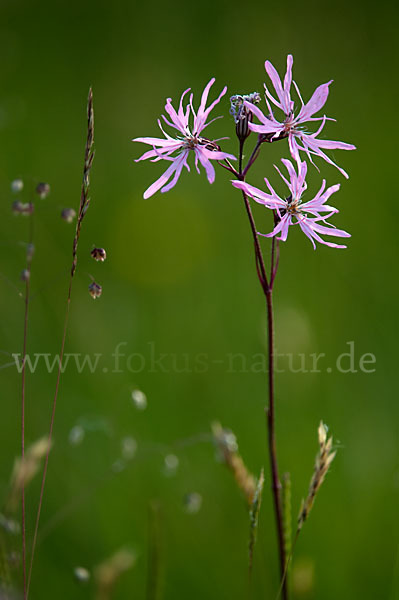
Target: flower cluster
[[188, 125], [311, 215]]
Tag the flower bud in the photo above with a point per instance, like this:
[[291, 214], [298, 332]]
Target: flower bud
[[68, 215], [30, 250], [81, 574], [17, 186], [43, 190], [192, 503], [242, 116], [21, 208], [25, 275], [99, 254], [95, 290]]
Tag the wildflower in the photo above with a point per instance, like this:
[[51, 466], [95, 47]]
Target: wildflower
[[292, 126], [176, 150], [99, 254], [291, 210]]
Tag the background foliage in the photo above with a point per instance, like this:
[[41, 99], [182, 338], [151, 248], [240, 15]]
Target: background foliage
[[180, 280]]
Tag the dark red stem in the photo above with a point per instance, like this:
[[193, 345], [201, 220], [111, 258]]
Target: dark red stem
[[267, 287]]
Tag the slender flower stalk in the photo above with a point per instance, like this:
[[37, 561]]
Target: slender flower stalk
[[267, 288], [276, 485], [83, 206]]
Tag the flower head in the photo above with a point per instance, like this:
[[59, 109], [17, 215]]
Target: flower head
[[188, 139], [292, 126], [292, 211]]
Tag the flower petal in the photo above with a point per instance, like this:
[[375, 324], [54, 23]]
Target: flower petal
[[311, 229], [216, 154], [316, 102], [183, 116], [270, 123], [261, 197], [276, 81], [329, 230], [206, 163], [203, 113], [281, 227], [321, 198], [176, 164], [179, 164], [289, 105]]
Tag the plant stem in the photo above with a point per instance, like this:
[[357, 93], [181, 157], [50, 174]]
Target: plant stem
[[23, 433], [252, 158], [25, 340], [260, 263], [276, 485], [50, 436], [267, 287]]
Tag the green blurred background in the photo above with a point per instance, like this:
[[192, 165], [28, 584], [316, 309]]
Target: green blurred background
[[180, 280]]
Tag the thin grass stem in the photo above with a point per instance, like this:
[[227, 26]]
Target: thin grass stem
[[84, 204]]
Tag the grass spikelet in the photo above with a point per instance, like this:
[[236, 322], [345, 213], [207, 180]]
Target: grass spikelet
[[226, 443], [25, 469], [254, 517], [324, 459], [84, 196], [108, 572]]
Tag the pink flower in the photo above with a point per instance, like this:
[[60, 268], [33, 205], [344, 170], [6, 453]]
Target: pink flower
[[292, 126], [176, 150], [291, 211]]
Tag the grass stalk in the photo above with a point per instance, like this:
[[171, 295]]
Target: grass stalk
[[83, 206]]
